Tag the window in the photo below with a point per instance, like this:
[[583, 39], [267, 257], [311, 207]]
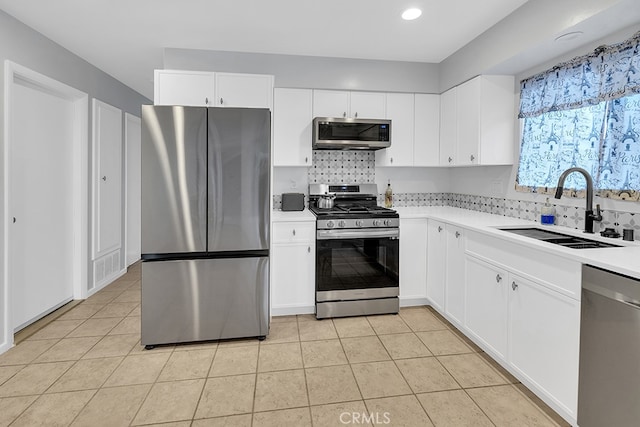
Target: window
[[584, 113]]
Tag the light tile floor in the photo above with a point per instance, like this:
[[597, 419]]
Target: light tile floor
[[87, 368]]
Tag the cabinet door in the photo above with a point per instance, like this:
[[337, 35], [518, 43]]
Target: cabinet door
[[292, 122], [330, 103], [293, 279], [177, 87], [426, 138], [436, 267], [486, 304], [107, 178], [544, 332], [468, 121], [454, 289], [244, 90], [413, 256], [497, 120], [400, 111], [448, 128], [368, 105]]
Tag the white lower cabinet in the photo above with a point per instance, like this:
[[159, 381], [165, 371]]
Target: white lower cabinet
[[413, 257], [543, 337], [486, 304], [293, 268], [519, 304], [455, 275], [436, 258]]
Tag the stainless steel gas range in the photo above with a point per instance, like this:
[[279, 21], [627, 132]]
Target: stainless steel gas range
[[357, 251]]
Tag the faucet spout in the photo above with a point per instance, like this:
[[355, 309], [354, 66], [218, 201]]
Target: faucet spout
[[590, 216]]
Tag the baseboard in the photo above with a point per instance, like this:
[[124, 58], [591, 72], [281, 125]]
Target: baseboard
[[413, 301], [107, 282], [288, 311]]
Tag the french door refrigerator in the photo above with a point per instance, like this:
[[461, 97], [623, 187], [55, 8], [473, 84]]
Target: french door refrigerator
[[205, 223]]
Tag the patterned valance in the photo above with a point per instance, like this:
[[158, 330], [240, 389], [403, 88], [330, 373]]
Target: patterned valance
[[610, 72]]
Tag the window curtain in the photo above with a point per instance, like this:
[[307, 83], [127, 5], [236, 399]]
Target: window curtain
[[584, 113]]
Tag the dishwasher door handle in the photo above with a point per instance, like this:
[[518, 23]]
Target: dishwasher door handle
[[611, 294]]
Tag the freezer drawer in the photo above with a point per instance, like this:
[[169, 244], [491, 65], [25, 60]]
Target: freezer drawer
[[206, 299]]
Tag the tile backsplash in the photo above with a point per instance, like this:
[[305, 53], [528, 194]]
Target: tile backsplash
[[342, 167]]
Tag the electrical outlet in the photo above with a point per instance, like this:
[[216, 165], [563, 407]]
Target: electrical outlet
[[496, 187]]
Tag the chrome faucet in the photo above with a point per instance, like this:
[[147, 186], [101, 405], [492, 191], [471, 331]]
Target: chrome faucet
[[589, 216]]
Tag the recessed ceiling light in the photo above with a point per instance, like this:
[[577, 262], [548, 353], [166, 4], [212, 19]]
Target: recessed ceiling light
[[567, 37], [411, 14]]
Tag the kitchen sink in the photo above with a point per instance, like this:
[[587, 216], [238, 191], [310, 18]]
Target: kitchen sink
[[561, 239]]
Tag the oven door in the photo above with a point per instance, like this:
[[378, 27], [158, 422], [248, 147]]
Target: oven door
[[357, 264]]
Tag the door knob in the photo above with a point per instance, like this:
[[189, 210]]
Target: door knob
[[450, 159], [439, 229], [514, 285], [221, 101], [104, 178], [498, 278], [472, 157], [457, 234]]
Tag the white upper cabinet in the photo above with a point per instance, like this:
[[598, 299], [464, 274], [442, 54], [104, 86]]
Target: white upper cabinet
[[208, 89], [292, 125], [244, 90], [179, 87], [368, 105], [477, 122], [400, 112], [426, 134], [338, 103], [448, 128]]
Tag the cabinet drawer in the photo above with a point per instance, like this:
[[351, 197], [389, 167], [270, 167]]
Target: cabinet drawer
[[285, 232], [557, 273]]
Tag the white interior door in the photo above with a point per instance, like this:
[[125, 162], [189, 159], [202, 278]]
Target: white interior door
[[132, 144], [40, 202]]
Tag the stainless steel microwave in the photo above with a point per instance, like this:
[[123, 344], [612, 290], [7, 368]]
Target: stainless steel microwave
[[350, 134]]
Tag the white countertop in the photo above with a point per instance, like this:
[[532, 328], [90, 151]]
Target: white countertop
[[623, 260], [287, 216]]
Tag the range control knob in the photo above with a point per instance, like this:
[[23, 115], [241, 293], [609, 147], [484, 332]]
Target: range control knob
[[387, 222], [341, 223], [330, 224], [359, 223], [376, 223]]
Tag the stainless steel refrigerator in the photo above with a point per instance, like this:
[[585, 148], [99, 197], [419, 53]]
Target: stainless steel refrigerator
[[205, 223]]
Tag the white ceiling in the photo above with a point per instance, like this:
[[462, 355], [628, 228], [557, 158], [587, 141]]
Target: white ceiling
[[126, 38]]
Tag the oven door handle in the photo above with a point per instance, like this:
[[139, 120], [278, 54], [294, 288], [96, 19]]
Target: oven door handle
[[357, 234]]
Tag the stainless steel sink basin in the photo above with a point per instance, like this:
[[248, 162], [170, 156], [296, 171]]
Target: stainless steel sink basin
[[561, 239]]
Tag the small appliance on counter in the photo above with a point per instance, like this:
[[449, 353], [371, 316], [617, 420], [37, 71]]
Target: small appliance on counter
[[292, 201]]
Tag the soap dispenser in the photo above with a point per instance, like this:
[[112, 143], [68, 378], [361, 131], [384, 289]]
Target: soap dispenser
[[388, 196], [547, 214]]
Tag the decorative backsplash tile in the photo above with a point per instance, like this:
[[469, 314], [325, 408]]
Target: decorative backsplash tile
[[342, 167]]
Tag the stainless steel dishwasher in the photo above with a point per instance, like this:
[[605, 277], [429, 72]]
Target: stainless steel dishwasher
[[609, 381]]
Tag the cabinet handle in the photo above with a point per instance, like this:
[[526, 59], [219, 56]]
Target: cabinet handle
[[457, 234], [294, 231], [104, 178], [356, 116], [309, 249], [14, 219], [306, 159], [391, 159], [450, 159], [439, 229], [344, 114], [472, 158], [221, 101], [514, 285], [206, 101], [498, 278]]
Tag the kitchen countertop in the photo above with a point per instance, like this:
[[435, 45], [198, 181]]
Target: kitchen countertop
[[623, 260], [287, 216]]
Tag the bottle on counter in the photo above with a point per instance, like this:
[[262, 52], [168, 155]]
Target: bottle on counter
[[547, 214], [388, 196]]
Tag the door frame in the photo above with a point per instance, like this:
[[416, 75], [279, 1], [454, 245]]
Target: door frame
[[129, 120], [80, 196]]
